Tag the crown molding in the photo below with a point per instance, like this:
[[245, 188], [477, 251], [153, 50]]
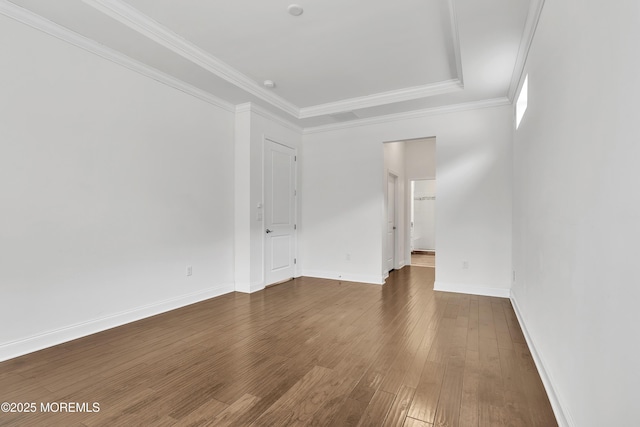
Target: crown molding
[[381, 98], [139, 22], [136, 20], [243, 108], [257, 109], [37, 22], [476, 105], [533, 17]]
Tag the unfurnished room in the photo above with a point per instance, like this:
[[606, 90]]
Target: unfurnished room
[[414, 213]]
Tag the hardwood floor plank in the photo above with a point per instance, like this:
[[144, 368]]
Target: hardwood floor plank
[[309, 352], [284, 410], [400, 407], [425, 402], [333, 403], [349, 413], [448, 410], [469, 405], [377, 410], [230, 415], [202, 415], [412, 422]]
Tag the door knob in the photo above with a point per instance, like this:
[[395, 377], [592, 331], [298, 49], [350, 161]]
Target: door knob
[[269, 231]]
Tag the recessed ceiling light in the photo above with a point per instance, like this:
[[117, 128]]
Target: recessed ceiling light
[[295, 9], [269, 84]]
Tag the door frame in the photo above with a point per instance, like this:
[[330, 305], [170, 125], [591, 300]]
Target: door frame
[[296, 268], [396, 176]]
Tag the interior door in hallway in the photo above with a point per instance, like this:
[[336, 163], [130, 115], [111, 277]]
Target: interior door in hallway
[[280, 208], [391, 221]]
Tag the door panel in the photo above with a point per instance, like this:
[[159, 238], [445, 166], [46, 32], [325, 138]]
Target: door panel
[[282, 188], [279, 220], [280, 252]]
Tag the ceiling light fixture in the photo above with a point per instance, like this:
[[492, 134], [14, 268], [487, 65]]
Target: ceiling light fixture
[[269, 84], [295, 9]]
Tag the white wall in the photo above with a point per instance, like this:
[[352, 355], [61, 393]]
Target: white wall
[[343, 173], [253, 125], [423, 235], [577, 206], [111, 184], [342, 207], [420, 158]]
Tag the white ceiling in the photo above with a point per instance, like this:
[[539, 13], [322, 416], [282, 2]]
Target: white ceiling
[[361, 57]]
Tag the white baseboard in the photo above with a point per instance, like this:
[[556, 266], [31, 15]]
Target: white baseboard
[[563, 417], [257, 286], [50, 338], [249, 288], [466, 288], [347, 277]]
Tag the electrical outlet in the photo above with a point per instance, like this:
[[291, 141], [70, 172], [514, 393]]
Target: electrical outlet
[[347, 257], [189, 270], [465, 265]]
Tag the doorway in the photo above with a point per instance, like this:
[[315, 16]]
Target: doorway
[[404, 162], [422, 222]]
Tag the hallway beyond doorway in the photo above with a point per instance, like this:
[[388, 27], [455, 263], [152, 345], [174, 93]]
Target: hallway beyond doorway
[[423, 259]]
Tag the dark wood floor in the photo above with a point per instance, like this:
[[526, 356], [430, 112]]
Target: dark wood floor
[[307, 352]]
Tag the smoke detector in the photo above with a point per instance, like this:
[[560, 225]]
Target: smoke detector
[[269, 84], [295, 9]]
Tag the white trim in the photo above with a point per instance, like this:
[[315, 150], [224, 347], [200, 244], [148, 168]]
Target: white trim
[[257, 109], [244, 287], [256, 287], [138, 21], [39, 23], [382, 98], [244, 108], [58, 336], [467, 288], [455, 39], [476, 105], [563, 417], [396, 202], [533, 17], [143, 24], [346, 277]]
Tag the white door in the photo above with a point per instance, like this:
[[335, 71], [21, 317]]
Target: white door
[[279, 212], [391, 222]]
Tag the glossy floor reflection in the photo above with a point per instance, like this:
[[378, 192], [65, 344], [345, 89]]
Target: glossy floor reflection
[[307, 352]]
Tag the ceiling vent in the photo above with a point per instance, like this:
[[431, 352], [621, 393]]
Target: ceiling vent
[[344, 116]]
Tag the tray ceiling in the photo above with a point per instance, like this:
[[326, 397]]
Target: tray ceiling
[[362, 57]]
